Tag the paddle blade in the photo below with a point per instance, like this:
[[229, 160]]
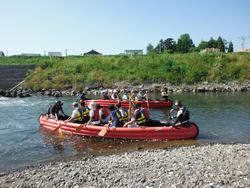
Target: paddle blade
[[60, 134], [56, 129], [103, 131]]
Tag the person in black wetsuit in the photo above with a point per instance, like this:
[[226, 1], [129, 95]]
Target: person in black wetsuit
[[55, 109]]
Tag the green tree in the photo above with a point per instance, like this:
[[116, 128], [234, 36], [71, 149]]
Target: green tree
[[170, 45], [150, 48], [160, 47], [230, 47], [185, 43], [212, 43], [220, 44], [203, 45]]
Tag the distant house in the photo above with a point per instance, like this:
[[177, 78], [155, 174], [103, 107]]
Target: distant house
[[243, 50], [210, 50], [55, 54], [133, 52], [92, 52], [1, 54], [30, 54]]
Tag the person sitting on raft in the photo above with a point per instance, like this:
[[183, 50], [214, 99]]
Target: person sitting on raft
[[182, 115], [104, 114], [81, 96], [123, 111], [140, 117], [125, 95], [164, 94], [55, 109], [141, 95], [76, 116], [105, 95], [115, 95], [116, 117], [94, 117], [85, 111]]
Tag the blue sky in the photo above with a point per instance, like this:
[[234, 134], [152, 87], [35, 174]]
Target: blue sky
[[112, 26]]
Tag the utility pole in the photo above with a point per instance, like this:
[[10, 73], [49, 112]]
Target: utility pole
[[243, 39], [66, 52]]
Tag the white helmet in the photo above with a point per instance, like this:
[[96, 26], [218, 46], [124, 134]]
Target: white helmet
[[92, 105]]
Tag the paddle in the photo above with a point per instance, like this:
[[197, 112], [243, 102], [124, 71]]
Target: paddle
[[80, 127], [130, 100], [104, 130], [129, 107], [147, 102], [58, 127]]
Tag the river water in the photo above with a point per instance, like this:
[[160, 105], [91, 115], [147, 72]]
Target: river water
[[222, 118]]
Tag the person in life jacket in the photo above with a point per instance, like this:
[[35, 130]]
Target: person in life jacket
[[81, 96], [141, 95], [140, 117], [85, 111], [76, 116], [94, 117], [123, 111], [104, 114], [164, 94], [125, 95], [105, 95], [116, 117], [115, 95], [55, 109], [182, 114]]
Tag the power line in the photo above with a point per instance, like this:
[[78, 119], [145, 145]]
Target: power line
[[243, 39]]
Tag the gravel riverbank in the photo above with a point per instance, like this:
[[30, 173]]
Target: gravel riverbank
[[94, 89], [194, 166]]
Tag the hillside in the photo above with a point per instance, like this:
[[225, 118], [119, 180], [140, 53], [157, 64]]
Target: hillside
[[190, 68]]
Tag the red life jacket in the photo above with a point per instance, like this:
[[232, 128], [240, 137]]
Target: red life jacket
[[105, 112], [96, 115]]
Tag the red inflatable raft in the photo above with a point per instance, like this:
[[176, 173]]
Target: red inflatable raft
[[145, 133], [125, 104]]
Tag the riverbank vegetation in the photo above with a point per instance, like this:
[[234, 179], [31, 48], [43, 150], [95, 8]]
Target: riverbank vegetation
[[189, 68]]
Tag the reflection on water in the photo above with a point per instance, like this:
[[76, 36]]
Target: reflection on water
[[222, 118], [100, 146]]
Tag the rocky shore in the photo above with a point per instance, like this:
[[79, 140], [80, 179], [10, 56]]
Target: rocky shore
[[194, 166], [93, 89]]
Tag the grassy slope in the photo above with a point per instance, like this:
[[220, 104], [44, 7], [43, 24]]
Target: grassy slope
[[189, 68]]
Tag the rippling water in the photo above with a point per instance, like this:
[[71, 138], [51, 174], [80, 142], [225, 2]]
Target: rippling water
[[222, 118]]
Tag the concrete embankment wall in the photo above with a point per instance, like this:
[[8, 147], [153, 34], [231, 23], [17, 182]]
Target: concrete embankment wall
[[11, 75]]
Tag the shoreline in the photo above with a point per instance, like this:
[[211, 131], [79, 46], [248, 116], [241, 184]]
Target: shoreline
[[212, 165], [205, 87]]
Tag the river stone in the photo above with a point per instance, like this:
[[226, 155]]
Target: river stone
[[196, 166]]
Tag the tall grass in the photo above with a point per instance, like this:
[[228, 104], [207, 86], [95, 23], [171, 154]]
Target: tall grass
[[191, 68]]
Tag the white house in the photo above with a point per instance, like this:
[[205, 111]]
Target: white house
[[55, 54], [210, 50], [133, 52], [243, 50], [30, 54]]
